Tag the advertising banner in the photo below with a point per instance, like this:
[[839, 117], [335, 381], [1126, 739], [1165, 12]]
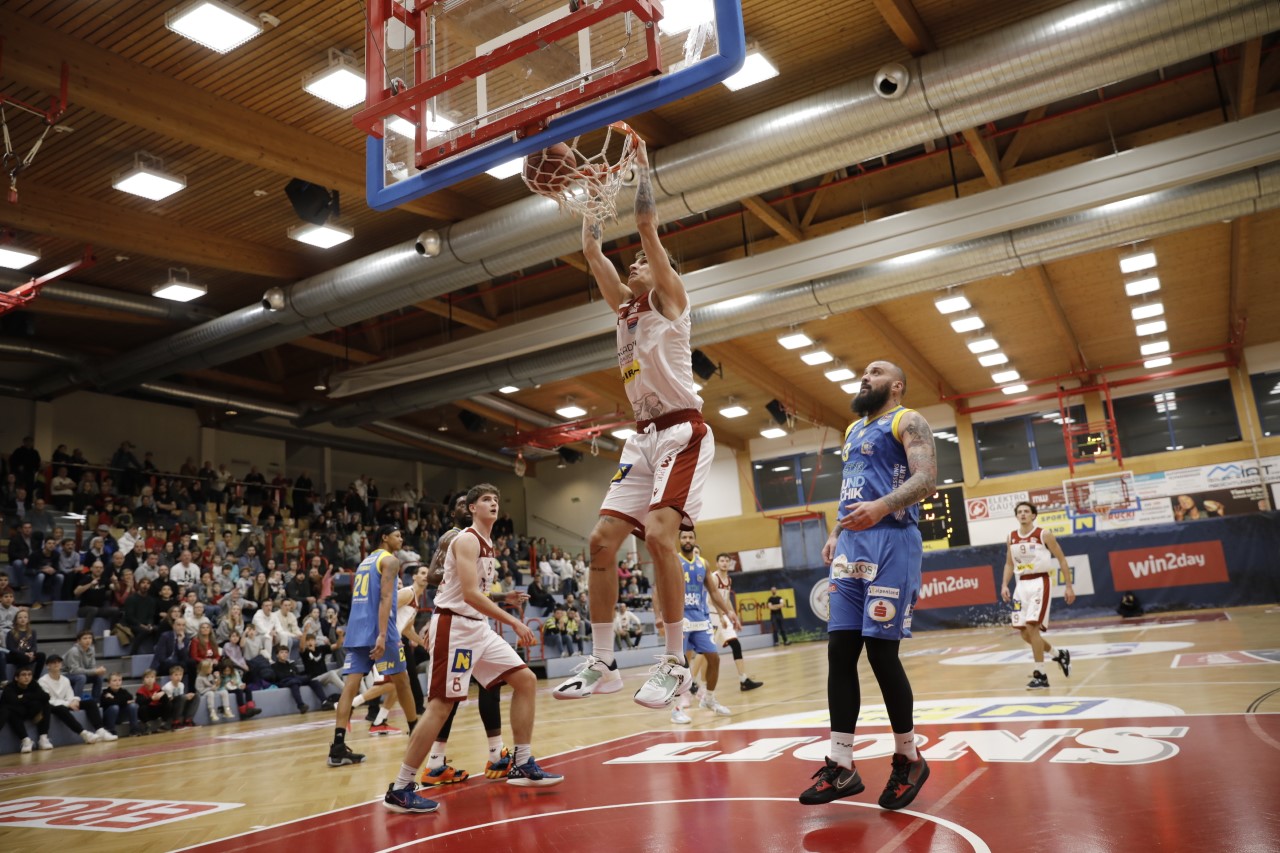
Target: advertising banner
[[1169, 565]]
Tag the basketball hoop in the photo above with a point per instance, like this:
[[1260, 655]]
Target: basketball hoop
[[590, 187]]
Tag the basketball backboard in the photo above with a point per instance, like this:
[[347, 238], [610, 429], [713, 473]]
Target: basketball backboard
[[460, 87]]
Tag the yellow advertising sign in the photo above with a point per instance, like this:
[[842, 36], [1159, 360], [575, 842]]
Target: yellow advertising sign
[[937, 544], [1056, 522], [754, 606]]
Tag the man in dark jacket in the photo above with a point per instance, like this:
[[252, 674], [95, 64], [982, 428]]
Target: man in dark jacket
[[141, 615], [174, 649], [23, 699]]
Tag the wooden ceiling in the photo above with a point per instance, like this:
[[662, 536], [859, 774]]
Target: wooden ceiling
[[239, 127]]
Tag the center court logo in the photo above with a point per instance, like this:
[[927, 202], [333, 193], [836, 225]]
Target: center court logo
[[1078, 653]]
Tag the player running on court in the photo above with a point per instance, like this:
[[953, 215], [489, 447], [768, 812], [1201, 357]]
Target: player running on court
[[657, 490], [723, 632], [463, 645], [372, 639], [1031, 553], [874, 552]]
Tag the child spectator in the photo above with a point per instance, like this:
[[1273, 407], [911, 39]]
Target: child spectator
[[22, 645], [318, 674], [153, 704], [182, 703], [82, 665], [118, 702], [63, 700], [22, 700], [233, 683], [209, 688], [287, 676]]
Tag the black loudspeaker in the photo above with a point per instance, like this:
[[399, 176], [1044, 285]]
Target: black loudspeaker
[[777, 411], [472, 421], [312, 202], [570, 456], [703, 367]]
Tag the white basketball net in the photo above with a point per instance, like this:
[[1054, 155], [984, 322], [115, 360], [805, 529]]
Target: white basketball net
[[591, 189]]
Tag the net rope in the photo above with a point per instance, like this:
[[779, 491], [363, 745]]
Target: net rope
[[589, 187]]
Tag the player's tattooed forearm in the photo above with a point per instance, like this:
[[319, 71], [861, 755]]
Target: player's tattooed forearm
[[596, 231], [645, 204], [917, 440]]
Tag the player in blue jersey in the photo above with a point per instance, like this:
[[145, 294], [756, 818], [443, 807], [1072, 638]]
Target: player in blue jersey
[[372, 638], [699, 586], [874, 553]]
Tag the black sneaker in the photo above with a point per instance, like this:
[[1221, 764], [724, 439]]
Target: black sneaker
[[833, 783], [905, 781], [1039, 681], [341, 756], [374, 707], [747, 684], [1063, 658]]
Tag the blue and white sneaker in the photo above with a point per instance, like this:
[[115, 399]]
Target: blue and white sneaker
[[530, 775], [408, 800]]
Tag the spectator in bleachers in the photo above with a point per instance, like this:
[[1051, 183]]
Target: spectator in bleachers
[[267, 621], [197, 621], [62, 489], [232, 621], [182, 700], [121, 589], [42, 518], [92, 592], [141, 616], [169, 554], [298, 588], [117, 703], [185, 572], [250, 562], [68, 561], [301, 495], [289, 629], [318, 674], [209, 690], [153, 704], [115, 565], [145, 512], [64, 698], [24, 463], [627, 627], [97, 550], [45, 580], [23, 546], [174, 646], [233, 683], [85, 497], [148, 568], [8, 611], [288, 678], [259, 591], [539, 597], [23, 699], [82, 665], [555, 643], [237, 512], [235, 599], [257, 656], [127, 468], [209, 594], [233, 650], [163, 582]]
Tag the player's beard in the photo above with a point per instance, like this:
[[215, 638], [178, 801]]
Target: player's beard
[[688, 552], [871, 401]]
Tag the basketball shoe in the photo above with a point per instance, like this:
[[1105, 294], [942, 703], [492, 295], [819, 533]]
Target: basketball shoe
[[905, 781], [340, 756], [1063, 659], [679, 717], [1039, 681], [834, 782], [383, 729], [747, 684], [713, 705], [408, 800], [445, 774], [498, 769], [590, 676], [666, 681], [530, 775]]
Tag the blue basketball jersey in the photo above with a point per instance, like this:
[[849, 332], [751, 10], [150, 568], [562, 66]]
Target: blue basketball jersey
[[875, 464], [695, 600], [366, 595]]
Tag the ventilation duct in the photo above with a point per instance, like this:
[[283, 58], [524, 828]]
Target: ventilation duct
[[75, 293]]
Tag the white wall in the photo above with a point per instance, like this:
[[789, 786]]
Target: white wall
[[722, 495], [568, 498]]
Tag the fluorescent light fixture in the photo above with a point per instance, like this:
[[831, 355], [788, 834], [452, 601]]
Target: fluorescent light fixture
[[951, 304], [968, 323], [684, 15], [179, 287], [435, 126], [213, 24], [983, 345], [322, 236], [570, 410], [736, 302], [1013, 389], [1155, 327], [851, 387], [623, 433], [1147, 310], [840, 374], [1005, 376], [774, 432], [993, 359], [341, 83], [15, 257], [794, 340], [819, 356], [733, 410], [508, 389], [779, 468], [509, 169], [1154, 348], [1139, 286], [756, 69], [1138, 263], [148, 179]]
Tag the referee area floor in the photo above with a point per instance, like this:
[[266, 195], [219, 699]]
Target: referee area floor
[[1165, 737]]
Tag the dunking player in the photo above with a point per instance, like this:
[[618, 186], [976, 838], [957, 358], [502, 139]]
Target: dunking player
[[372, 638], [1031, 554], [463, 645], [698, 587], [657, 490], [723, 630], [438, 771], [874, 553]]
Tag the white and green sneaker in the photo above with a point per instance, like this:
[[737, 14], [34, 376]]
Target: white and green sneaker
[[713, 705], [591, 676], [679, 717], [667, 680]]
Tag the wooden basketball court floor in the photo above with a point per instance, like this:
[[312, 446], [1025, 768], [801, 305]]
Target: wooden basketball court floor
[[1165, 737]]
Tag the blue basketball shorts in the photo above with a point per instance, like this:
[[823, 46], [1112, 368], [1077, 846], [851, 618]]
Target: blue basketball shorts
[[874, 581], [700, 641], [391, 662]]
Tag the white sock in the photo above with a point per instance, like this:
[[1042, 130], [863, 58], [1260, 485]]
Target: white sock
[[406, 775], [842, 749], [435, 759], [602, 641], [675, 639], [709, 696], [495, 748], [358, 701], [381, 718], [742, 679], [523, 753], [905, 744]]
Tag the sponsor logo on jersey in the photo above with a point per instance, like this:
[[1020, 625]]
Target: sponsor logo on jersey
[[631, 371], [868, 448], [621, 474], [461, 660], [883, 591], [858, 570], [882, 610]]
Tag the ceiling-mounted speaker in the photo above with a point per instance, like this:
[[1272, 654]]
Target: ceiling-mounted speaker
[[312, 202], [777, 411], [569, 455], [472, 421], [703, 367]]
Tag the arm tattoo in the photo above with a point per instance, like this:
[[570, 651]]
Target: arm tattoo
[[596, 231], [645, 204], [922, 462]]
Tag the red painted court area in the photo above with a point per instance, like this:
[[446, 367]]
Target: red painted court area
[[1168, 783]]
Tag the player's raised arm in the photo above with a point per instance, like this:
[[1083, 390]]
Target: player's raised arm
[[666, 281], [602, 269]]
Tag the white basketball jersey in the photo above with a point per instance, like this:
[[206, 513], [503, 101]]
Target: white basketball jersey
[[1030, 556], [450, 596], [405, 613], [655, 359]]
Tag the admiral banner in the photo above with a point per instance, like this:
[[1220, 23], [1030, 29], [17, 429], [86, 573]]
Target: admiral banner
[[754, 606]]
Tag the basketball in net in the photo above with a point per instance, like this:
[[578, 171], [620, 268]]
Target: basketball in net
[[582, 179]]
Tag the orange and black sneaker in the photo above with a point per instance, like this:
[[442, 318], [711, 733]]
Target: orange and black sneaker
[[498, 769], [445, 774], [833, 783], [383, 729], [905, 781]]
